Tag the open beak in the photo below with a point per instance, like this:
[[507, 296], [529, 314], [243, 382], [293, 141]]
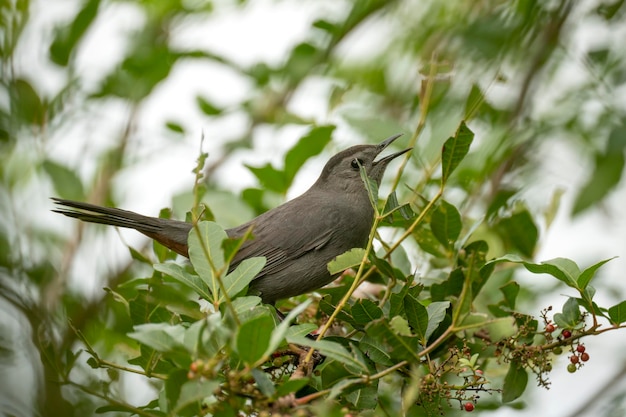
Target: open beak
[[382, 145]]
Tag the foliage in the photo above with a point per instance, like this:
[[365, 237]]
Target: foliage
[[430, 316]]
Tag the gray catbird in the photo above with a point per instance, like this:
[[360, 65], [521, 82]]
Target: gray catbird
[[297, 238]]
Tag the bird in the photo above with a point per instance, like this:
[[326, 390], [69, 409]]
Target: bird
[[298, 238]]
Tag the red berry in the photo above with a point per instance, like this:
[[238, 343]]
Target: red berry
[[573, 359], [580, 348], [193, 367], [469, 406], [550, 328], [479, 372], [566, 334], [584, 357]]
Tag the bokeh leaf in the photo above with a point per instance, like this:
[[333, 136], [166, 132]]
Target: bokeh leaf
[[515, 382], [454, 150]]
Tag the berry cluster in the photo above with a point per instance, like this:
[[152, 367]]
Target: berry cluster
[[578, 357], [200, 368], [458, 377]]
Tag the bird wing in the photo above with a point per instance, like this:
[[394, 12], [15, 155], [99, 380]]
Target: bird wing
[[284, 235]]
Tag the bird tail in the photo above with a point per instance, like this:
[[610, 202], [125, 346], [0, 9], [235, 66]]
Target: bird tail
[[170, 233]]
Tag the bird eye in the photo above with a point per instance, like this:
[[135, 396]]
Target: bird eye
[[356, 162]]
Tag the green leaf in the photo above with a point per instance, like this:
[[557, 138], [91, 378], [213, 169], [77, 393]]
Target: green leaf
[[400, 325], [139, 257], [608, 171], [172, 387], [161, 337], [570, 317], [392, 206], [302, 59], [216, 335], [253, 338], [585, 277], [270, 178], [117, 297], [371, 187], [298, 330], [66, 182], [365, 311], [194, 392], [428, 242], [520, 232], [436, 314], [499, 200], [26, 105], [510, 290], [454, 150], [417, 317], [445, 224], [396, 344], [376, 351], [334, 351], [291, 385], [617, 313], [208, 242], [450, 287], [175, 127], [67, 38], [386, 269], [207, 107], [563, 269], [192, 281], [309, 145], [346, 260], [242, 276], [364, 398], [343, 386], [474, 100], [280, 332], [515, 382], [266, 386], [243, 304]]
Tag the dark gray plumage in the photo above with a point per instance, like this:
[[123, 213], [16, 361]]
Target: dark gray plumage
[[298, 238]]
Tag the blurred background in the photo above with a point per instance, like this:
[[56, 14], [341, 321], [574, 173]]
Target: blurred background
[[112, 102]]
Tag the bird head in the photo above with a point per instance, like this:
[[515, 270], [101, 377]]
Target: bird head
[[342, 171]]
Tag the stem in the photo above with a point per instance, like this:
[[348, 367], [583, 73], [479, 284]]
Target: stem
[[357, 281], [308, 398], [106, 364], [217, 275], [425, 99], [136, 410]]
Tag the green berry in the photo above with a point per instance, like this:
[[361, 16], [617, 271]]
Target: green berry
[[571, 368]]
